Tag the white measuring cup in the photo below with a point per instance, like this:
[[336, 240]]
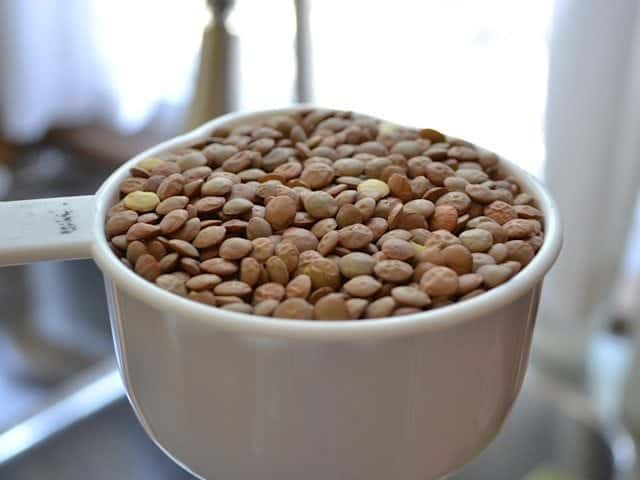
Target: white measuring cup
[[232, 396]]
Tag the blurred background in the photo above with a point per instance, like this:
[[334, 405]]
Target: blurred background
[[553, 85]]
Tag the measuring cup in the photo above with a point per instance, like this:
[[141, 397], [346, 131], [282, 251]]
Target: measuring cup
[[232, 396]]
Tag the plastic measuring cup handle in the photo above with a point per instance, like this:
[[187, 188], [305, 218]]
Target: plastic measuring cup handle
[[46, 229]]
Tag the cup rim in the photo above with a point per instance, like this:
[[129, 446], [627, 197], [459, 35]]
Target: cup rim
[[131, 283]]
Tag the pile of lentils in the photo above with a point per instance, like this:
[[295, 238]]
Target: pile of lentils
[[324, 215]]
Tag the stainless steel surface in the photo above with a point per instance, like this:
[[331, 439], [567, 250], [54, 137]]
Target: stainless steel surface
[[89, 431], [53, 315], [555, 428], [304, 92], [95, 390], [216, 89], [44, 302], [221, 8]]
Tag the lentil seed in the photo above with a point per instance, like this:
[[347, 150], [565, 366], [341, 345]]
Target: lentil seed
[[312, 214]]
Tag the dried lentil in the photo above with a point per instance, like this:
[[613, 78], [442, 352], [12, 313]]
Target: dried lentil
[[326, 215]]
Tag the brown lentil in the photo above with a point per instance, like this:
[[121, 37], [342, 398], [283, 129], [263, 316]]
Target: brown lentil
[[294, 308], [300, 286], [302, 238], [149, 217], [355, 236], [142, 231], [494, 275], [232, 287], [235, 248], [323, 273], [501, 212], [209, 236], [445, 217], [326, 215], [439, 281], [266, 307], [204, 281], [174, 220], [468, 282], [219, 266], [331, 307], [172, 284], [398, 249], [458, 258], [356, 307], [147, 267], [120, 223], [258, 227], [362, 286], [381, 308], [190, 266], [410, 296], [277, 270], [394, 271], [356, 263]]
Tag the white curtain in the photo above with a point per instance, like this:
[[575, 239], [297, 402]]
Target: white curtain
[[76, 61], [593, 150]]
